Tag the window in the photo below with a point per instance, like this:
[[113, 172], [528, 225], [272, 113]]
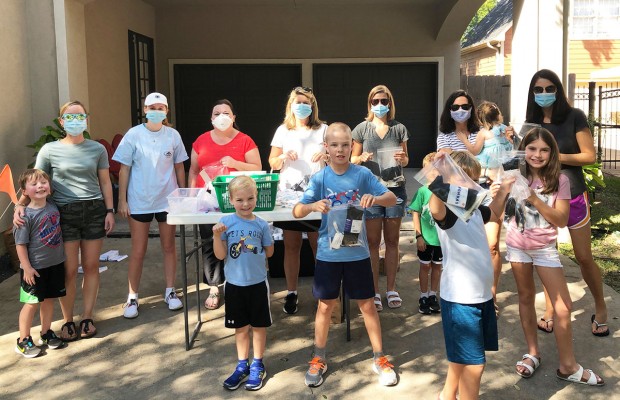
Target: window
[[141, 73], [596, 19]]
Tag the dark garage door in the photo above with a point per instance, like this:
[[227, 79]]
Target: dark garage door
[[342, 92], [258, 93]]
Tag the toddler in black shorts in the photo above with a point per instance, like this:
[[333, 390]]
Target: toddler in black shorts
[[41, 255]]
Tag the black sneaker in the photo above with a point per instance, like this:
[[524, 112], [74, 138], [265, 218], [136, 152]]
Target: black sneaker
[[434, 304], [27, 348], [425, 307], [50, 339], [290, 305]]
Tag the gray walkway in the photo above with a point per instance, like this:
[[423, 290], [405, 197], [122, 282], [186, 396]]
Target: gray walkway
[[145, 358]]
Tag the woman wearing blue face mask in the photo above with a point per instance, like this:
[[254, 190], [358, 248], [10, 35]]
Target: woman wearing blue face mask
[[81, 185], [548, 106], [297, 151], [380, 131], [151, 157], [458, 124]]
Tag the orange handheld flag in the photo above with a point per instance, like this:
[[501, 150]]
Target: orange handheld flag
[[6, 183]]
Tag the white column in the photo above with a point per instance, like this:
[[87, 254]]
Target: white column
[[538, 42]]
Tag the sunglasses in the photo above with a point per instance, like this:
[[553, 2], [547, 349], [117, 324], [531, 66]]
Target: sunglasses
[[71, 117], [548, 89], [303, 89], [385, 102], [455, 107]]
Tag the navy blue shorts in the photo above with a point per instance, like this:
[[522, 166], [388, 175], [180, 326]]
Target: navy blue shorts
[[356, 278], [247, 305], [469, 330]]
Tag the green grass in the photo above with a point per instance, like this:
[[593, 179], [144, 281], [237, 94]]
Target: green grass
[[605, 231]]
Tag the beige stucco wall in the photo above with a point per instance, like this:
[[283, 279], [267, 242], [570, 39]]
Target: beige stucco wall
[[107, 23], [17, 119], [308, 31]]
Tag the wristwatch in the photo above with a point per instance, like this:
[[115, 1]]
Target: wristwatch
[[110, 210], [419, 235]]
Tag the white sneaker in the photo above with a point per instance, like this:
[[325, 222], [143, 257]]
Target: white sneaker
[[131, 309], [173, 301], [387, 376]]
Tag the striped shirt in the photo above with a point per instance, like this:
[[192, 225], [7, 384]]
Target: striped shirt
[[449, 140]]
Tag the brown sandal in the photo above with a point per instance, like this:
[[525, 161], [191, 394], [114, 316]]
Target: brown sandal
[[85, 331], [71, 332]]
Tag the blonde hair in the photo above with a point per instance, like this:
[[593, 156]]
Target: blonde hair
[[381, 89], [69, 104], [468, 163], [337, 126], [429, 158], [32, 173], [489, 114], [290, 120], [241, 182]]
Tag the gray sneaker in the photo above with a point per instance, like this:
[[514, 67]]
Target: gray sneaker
[[50, 339], [27, 348], [314, 376]]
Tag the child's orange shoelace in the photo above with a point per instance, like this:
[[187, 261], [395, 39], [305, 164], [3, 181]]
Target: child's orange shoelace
[[316, 364], [383, 363]]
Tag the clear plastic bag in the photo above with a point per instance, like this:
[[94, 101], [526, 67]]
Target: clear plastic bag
[[215, 169], [207, 199], [346, 227], [516, 203], [452, 185], [390, 170], [520, 129]]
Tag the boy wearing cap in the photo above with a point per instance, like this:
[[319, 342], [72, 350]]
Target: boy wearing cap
[[151, 156]]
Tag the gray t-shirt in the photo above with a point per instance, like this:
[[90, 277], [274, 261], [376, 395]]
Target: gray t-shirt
[[73, 169], [366, 134], [41, 234]]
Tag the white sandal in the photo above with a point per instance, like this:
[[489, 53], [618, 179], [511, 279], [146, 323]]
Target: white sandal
[[392, 297], [531, 370], [378, 303], [577, 377]]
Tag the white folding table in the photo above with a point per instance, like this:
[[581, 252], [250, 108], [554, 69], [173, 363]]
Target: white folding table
[[278, 214]]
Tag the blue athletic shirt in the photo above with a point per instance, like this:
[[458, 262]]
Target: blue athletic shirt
[[245, 263], [340, 189]]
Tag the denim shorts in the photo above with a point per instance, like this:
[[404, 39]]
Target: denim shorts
[[83, 220], [397, 211], [469, 330], [545, 257]]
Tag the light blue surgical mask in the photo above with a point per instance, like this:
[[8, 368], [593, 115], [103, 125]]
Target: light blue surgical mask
[[544, 99], [380, 110], [301, 110], [155, 116], [460, 115], [75, 127]]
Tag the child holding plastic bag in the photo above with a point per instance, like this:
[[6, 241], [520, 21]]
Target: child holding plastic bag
[[453, 186], [343, 253], [468, 315], [531, 243]]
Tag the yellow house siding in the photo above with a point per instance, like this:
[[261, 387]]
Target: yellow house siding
[[586, 56]]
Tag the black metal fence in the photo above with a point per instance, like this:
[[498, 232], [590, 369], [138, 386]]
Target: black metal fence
[[601, 102]]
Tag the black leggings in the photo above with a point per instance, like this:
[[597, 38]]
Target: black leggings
[[213, 267]]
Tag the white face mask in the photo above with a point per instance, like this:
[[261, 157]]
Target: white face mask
[[222, 122]]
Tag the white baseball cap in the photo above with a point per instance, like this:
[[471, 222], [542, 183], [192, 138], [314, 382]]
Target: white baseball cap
[[155, 98]]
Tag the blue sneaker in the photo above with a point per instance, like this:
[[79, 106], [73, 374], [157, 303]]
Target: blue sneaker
[[238, 377], [257, 375]]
